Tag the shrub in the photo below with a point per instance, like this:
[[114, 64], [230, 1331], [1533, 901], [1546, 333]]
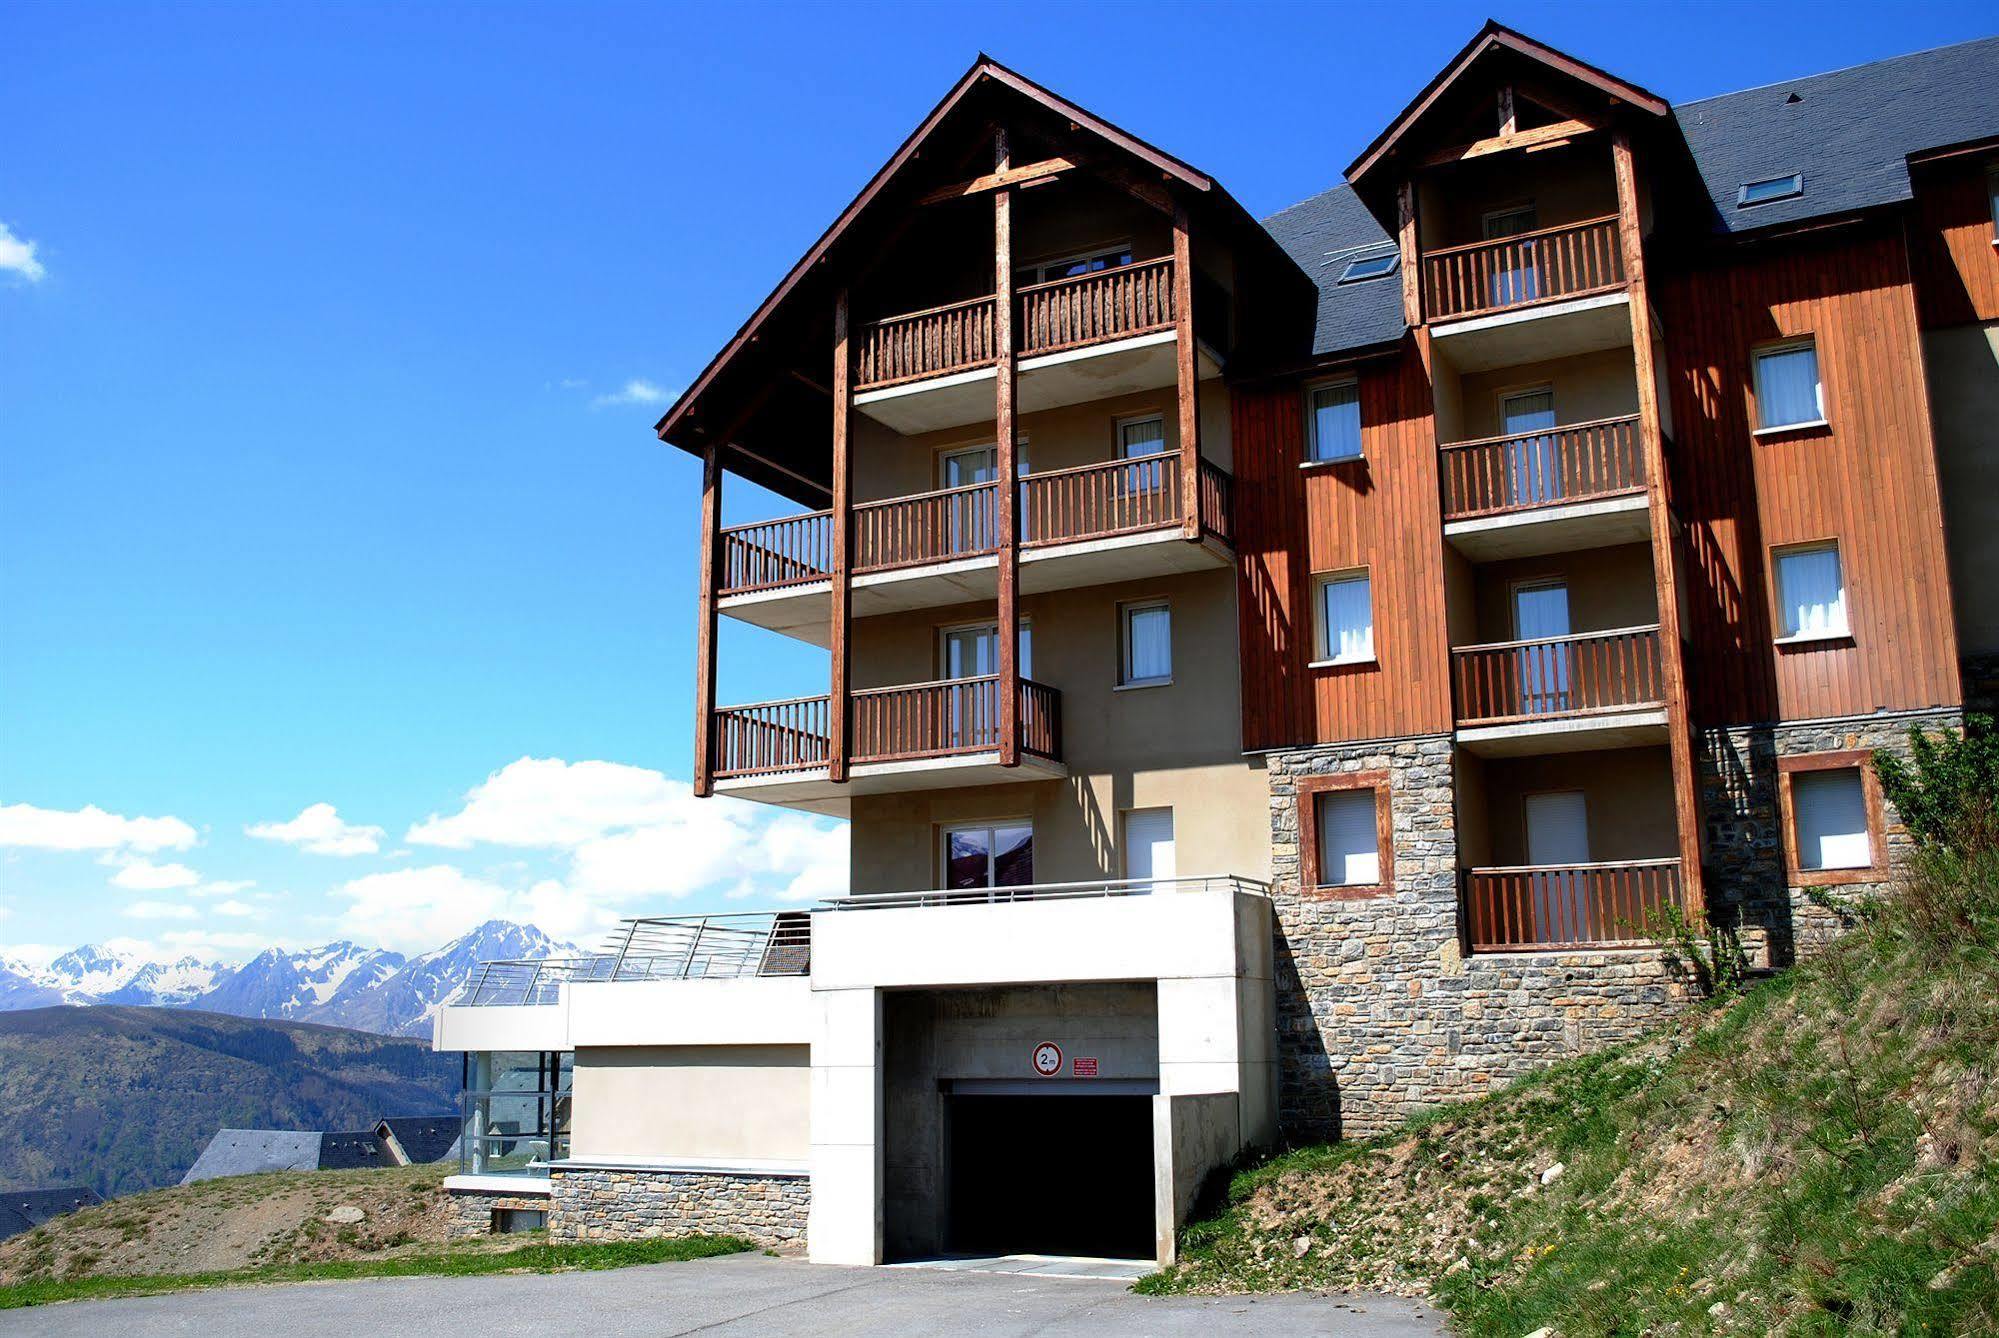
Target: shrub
[[1948, 790]]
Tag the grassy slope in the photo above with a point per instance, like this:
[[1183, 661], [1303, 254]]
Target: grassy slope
[[1819, 1156]]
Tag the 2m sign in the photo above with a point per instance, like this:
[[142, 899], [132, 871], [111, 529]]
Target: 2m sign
[[1047, 1059]]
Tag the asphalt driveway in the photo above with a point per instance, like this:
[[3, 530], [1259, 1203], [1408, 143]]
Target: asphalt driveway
[[737, 1295]]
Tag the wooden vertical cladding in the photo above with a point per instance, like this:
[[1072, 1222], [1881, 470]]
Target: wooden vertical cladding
[[1379, 512], [1007, 491], [1665, 565], [839, 707], [1187, 375], [704, 636], [1867, 479], [1951, 250]]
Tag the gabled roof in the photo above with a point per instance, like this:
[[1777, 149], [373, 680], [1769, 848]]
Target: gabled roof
[[1495, 36], [983, 70], [249, 1151], [1849, 133], [422, 1138], [352, 1150], [25, 1209]]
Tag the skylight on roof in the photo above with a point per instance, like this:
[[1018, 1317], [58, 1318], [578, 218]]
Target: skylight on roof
[[1771, 188], [1369, 267]]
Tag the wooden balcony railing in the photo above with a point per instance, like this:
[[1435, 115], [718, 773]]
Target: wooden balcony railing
[[1573, 260], [1555, 676], [896, 724], [951, 338], [1580, 462], [928, 527], [1091, 308], [774, 553], [1574, 906]]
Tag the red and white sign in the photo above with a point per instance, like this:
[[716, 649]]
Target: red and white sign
[[1048, 1059], [1084, 1066]]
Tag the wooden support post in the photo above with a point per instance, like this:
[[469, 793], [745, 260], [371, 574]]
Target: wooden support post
[[1508, 120], [839, 704], [1187, 373], [1412, 260], [1665, 571], [704, 637], [1006, 527]]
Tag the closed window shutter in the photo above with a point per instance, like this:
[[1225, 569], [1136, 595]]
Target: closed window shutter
[[1831, 812], [1148, 843], [1348, 851]]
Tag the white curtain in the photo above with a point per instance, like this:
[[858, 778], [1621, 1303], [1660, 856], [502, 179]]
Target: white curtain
[[1811, 592], [1336, 422], [1149, 644], [1146, 438], [1832, 819], [1347, 612], [1787, 386], [1349, 854]]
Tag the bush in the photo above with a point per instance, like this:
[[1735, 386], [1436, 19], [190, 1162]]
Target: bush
[[1948, 790]]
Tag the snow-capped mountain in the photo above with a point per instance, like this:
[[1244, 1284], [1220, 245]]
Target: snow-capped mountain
[[341, 984]]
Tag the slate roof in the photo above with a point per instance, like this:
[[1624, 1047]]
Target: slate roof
[[1850, 133], [423, 1138], [25, 1209], [248, 1151], [353, 1150]]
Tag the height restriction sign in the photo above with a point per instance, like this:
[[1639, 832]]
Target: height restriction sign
[[1048, 1059]]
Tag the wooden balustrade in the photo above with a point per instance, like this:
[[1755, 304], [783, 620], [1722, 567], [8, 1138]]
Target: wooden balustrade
[[1217, 502], [953, 715], [772, 737], [1040, 719], [1572, 260], [1554, 676], [1091, 308], [928, 527], [1060, 506], [775, 553], [951, 338], [1573, 906], [1576, 463]]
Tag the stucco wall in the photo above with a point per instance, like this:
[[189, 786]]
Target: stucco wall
[[719, 1102], [1963, 368], [1627, 792], [1608, 587], [1587, 387]]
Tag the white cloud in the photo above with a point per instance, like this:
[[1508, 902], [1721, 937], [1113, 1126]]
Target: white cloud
[[89, 828], [183, 941], [547, 803], [141, 875], [320, 830], [234, 908], [18, 256], [635, 391], [162, 910], [222, 887], [415, 910]]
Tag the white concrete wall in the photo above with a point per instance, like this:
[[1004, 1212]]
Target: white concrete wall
[[754, 1010], [692, 1103], [1192, 1137]]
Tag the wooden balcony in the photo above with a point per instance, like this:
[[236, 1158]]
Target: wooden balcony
[[914, 736], [1508, 273], [1577, 486], [1566, 693], [1567, 907]]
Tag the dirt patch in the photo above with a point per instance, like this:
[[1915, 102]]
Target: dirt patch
[[239, 1222]]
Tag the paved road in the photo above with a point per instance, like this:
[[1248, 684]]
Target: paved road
[[739, 1295]]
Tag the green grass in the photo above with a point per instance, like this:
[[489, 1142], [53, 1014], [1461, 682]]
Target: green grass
[[540, 1257], [1817, 1156]]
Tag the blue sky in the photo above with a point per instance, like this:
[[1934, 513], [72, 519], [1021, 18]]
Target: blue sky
[[326, 471]]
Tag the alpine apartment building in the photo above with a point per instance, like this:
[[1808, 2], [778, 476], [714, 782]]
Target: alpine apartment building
[[1283, 672]]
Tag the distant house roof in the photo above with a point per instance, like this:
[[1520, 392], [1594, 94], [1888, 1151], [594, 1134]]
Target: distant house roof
[[249, 1151], [352, 1150], [1849, 133], [25, 1209], [420, 1138]]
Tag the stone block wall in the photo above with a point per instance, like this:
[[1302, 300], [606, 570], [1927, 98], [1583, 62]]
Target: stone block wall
[[630, 1204], [472, 1210]]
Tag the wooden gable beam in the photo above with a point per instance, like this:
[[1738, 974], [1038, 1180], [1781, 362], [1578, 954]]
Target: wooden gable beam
[[1131, 183], [1012, 176], [1541, 137]]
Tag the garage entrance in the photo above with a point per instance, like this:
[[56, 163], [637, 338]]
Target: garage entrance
[[1050, 1173]]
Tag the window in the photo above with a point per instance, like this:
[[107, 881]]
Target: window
[[515, 1111], [1349, 839], [1146, 655], [1088, 262], [1369, 267], [1346, 619], [1788, 393], [1811, 592], [509, 1221], [989, 855], [1829, 817], [1333, 421], [1140, 436], [1768, 189]]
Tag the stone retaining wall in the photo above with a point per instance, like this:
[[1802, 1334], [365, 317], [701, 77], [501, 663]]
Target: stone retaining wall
[[629, 1204]]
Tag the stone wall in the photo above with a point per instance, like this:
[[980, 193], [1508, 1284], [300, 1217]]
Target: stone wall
[[1379, 1011], [629, 1204], [1746, 877], [472, 1210]]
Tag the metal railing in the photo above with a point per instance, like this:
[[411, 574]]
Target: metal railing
[[687, 947], [987, 896]]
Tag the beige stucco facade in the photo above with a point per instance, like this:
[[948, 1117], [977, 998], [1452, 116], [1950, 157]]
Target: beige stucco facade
[[1587, 387], [708, 1102], [1607, 588], [1627, 796]]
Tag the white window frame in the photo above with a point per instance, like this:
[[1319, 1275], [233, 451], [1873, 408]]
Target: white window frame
[[1357, 796], [1802, 783], [1312, 456], [1023, 651], [1390, 262], [1124, 613], [1118, 425], [1792, 182], [1773, 349], [1790, 637], [1322, 633], [1043, 265], [988, 826]]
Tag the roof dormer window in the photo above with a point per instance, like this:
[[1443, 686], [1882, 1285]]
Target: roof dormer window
[[1369, 267], [1769, 189]]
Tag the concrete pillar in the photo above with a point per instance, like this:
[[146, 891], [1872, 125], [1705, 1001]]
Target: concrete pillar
[[846, 1220]]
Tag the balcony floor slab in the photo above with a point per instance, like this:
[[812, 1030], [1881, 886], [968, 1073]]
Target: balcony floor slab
[[1538, 333], [812, 792], [1635, 728], [1561, 528]]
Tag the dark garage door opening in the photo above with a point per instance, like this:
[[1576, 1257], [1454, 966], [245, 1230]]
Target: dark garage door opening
[[1051, 1174]]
